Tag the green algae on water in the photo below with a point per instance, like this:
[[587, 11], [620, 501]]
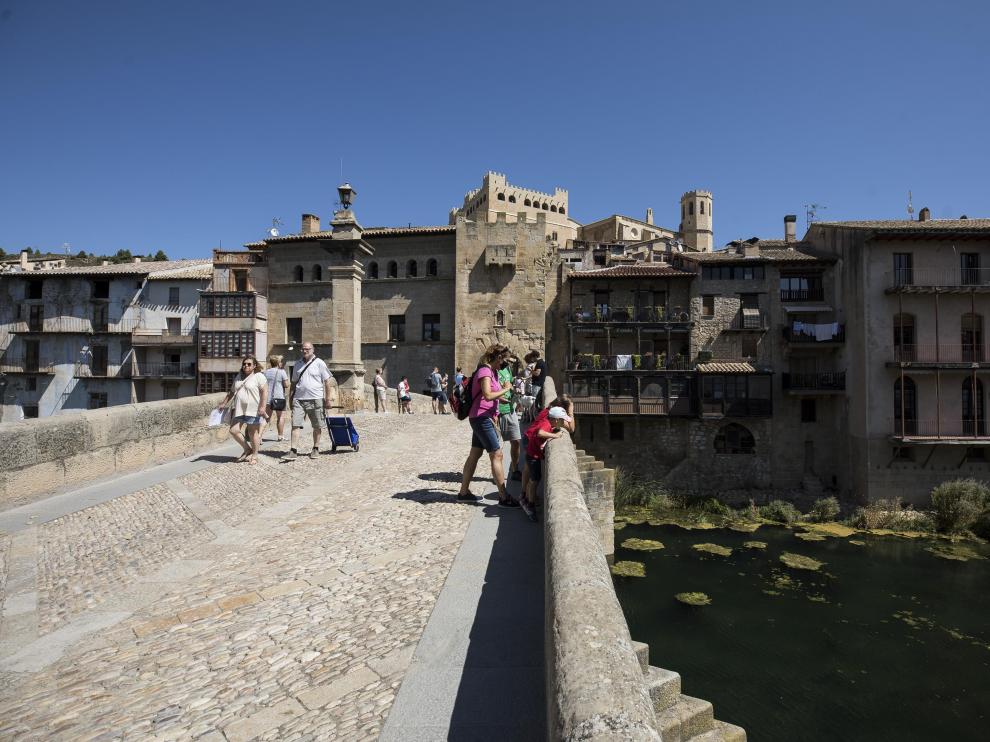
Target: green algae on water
[[713, 549], [856, 542], [755, 544], [641, 544], [744, 527], [619, 526], [693, 598], [954, 552], [805, 536], [796, 561], [629, 569]]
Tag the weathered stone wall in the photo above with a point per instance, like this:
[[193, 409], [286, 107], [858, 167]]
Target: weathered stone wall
[[38, 457], [595, 685], [599, 496]]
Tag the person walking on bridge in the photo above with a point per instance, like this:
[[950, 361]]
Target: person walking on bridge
[[311, 392], [249, 393]]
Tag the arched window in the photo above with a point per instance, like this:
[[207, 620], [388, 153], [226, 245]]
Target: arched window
[[553, 208], [974, 416], [431, 267], [702, 207], [297, 274], [500, 318], [317, 273], [904, 346], [691, 209], [545, 207], [562, 210], [971, 335], [393, 269], [905, 408], [734, 438], [373, 270], [501, 197], [411, 269], [512, 199], [527, 202]]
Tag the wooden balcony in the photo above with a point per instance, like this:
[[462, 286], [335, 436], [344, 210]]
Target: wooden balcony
[[677, 318], [645, 363], [925, 281], [649, 406], [941, 356], [237, 257], [809, 294]]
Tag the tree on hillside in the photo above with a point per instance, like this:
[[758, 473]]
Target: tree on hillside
[[160, 255], [82, 254], [122, 256], [3, 253]]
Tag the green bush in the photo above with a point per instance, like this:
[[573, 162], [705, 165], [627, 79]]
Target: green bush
[[959, 503], [892, 516], [824, 509], [780, 511], [982, 525], [630, 490]]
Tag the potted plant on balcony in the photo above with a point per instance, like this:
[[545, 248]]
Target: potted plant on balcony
[[658, 314], [662, 360], [596, 361], [630, 313], [598, 314], [637, 361]]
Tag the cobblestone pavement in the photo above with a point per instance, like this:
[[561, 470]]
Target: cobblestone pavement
[[271, 602]]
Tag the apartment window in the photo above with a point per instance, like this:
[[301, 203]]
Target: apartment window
[[801, 288], [905, 407], [396, 327], [969, 266], [616, 430], [101, 321], [431, 327], [30, 410], [733, 272], [293, 330], [173, 325], [808, 411], [210, 383], [36, 318], [734, 439], [708, 306], [173, 296], [971, 338], [903, 269], [99, 363], [225, 344], [97, 400], [34, 289], [32, 355], [101, 289], [240, 281]]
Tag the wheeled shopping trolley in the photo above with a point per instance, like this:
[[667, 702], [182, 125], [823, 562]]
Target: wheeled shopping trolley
[[342, 432]]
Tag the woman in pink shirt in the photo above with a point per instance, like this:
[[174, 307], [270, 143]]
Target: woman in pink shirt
[[485, 394]]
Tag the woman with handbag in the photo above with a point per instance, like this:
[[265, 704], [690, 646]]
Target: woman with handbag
[[278, 386], [249, 394]]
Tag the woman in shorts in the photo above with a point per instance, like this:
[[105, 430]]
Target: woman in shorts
[[485, 395], [278, 387], [249, 393]]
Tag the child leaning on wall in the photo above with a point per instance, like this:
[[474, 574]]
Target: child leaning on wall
[[542, 430]]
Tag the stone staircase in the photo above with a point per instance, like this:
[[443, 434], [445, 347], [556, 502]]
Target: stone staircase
[[681, 718]]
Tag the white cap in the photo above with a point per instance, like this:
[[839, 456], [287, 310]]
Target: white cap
[[559, 413]]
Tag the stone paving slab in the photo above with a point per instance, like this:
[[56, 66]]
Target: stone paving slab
[[295, 619]]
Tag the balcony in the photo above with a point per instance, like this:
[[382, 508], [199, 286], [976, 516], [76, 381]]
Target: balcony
[[813, 293], [676, 317], [941, 356], [941, 431], [827, 382], [73, 325], [922, 281], [655, 394], [807, 334], [645, 363], [237, 257], [736, 407], [606, 405], [102, 371], [749, 320], [26, 365], [184, 336], [165, 370]]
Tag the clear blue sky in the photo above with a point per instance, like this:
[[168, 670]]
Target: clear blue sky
[[173, 125]]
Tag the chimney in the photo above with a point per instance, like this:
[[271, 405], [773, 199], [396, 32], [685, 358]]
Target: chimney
[[310, 223], [649, 216], [24, 259], [137, 259], [105, 262], [790, 228], [924, 215]]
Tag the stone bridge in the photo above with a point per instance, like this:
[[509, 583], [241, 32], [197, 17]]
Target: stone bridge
[[345, 597]]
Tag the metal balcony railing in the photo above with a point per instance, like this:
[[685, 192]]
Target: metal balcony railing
[[23, 365], [73, 325], [605, 313], [635, 362], [942, 354], [932, 278], [186, 370], [827, 381], [809, 294], [941, 429], [811, 334], [89, 370]]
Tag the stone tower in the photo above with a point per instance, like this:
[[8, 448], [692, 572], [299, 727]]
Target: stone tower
[[696, 220]]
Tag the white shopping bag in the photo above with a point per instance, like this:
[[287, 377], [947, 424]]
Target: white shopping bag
[[218, 418]]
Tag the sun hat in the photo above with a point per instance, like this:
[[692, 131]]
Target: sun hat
[[559, 413]]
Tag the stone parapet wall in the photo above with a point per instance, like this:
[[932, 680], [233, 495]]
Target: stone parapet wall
[[46, 455], [599, 496], [595, 685]]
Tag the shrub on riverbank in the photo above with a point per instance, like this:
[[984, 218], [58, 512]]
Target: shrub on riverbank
[[824, 510], [890, 515], [780, 511], [959, 504]]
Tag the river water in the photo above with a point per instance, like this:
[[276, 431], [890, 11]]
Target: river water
[[885, 642]]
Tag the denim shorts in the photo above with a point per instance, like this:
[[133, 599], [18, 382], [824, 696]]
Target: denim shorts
[[248, 419], [485, 434], [535, 469]]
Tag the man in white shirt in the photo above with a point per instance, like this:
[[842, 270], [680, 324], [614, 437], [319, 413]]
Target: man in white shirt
[[311, 392], [380, 390]]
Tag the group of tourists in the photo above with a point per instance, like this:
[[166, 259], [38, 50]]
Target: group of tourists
[[493, 396], [437, 382], [256, 396]]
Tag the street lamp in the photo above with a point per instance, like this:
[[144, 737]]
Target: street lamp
[[347, 195]]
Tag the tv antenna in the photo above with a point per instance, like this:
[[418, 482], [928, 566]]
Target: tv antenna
[[811, 213], [66, 247], [910, 208], [276, 223]]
